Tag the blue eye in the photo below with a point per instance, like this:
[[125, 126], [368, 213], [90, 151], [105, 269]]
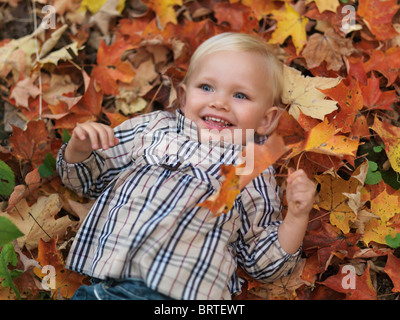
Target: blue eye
[[206, 87], [241, 96]]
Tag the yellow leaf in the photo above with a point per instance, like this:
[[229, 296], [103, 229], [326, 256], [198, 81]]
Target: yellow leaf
[[385, 205], [323, 139], [95, 5], [391, 138], [325, 5], [376, 230], [290, 23], [164, 10], [333, 197], [303, 95]]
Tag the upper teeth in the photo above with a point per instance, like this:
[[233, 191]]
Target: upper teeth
[[217, 120]]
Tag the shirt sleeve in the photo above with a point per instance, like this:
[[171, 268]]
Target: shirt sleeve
[[89, 177], [259, 252]]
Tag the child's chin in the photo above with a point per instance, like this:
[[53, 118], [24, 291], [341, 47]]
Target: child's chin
[[227, 135]]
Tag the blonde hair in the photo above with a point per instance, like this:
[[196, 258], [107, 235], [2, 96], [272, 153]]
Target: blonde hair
[[243, 43]]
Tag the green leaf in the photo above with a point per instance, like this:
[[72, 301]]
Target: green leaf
[[50, 161], [393, 242], [378, 149], [7, 256], [47, 168], [373, 176], [8, 231], [7, 179], [65, 136]]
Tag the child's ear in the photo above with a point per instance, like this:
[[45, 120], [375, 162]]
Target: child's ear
[[182, 96], [269, 121]]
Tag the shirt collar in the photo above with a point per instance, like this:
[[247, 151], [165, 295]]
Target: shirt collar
[[186, 126]]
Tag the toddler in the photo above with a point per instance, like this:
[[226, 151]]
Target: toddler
[[145, 236]]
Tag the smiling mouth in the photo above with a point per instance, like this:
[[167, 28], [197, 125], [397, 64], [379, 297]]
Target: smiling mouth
[[217, 122]]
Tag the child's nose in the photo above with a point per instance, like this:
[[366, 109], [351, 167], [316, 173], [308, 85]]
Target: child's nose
[[220, 102]]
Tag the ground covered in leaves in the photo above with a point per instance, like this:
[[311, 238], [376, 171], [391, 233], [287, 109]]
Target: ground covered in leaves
[[111, 60]]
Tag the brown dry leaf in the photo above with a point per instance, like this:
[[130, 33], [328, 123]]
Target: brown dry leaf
[[283, 288], [329, 47], [39, 221]]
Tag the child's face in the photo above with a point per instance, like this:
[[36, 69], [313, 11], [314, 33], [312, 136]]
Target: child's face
[[227, 91]]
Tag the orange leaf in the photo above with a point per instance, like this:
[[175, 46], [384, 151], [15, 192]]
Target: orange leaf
[[258, 158], [164, 10], [322, 139], [386, 62], [67, 281], [115, 118], [378, 17], [363, 290], [392, 268], [110, 68], [374, 98], [350, 101], [223, 200], [391, 138]]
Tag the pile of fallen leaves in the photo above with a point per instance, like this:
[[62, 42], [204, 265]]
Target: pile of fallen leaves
[[111, 60]]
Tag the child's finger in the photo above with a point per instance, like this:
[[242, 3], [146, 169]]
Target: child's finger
[[111, 138], [94, 139], [80, 133], [103, 134]]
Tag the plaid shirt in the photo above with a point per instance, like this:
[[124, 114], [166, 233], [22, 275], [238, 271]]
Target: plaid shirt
[[145, 223]]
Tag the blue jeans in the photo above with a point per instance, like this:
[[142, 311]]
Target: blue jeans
[[124, 289]]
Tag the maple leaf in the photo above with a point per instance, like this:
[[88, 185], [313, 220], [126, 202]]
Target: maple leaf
[[325, 5], [258, 158], [364, 289], [329, 240], [378, 16], [391, 138], [303, 95], [392, 270], [32, 144], [164, 10], [290, 23], [23, 90], [332, 197], [323, 139], [374, 97], [350, 101], [386, 62], [329, 47], [66, 281], [260, 8], [237, 15], [377, 230], [110, 68], [385, 205], [222, 201]]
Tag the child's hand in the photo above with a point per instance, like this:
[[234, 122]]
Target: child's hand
[[87, 137], [300, 193]]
